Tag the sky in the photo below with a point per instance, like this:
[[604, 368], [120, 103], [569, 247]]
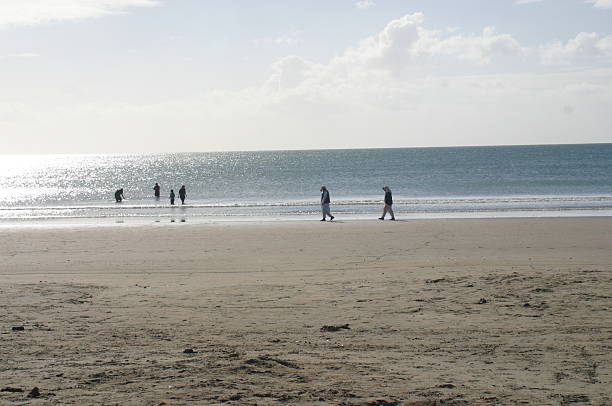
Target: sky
[[114, 76]]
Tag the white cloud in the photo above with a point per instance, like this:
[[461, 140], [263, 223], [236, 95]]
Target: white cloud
[[21, 55], [585, 45], [31, 12], [290, 72], [479, 48], [520, 2], [288, 40], [596, 3], [363, 86], [365, 4], [380, 111], [362, 92], [404, 43], [12, 111], [378, 93], [601, 3]]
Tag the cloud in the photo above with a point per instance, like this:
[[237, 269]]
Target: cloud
[[520, 2], [31, 12], [404, 43], [584, 45], [478, 48], [21, 55], [362, 91], [379, 92], [287, 40], [13, 112], [381, 111], [601, 3], [596, 3], [290, 72], [365, 4]]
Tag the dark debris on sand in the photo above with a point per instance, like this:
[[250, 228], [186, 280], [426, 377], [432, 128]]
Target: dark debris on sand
[[11, 389], [268, 362], [425, 402], [34, 393], [335, 328], [435, 280]]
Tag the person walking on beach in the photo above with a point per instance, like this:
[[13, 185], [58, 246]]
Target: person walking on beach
[[156, 189], [325, 201], [119, 195], [388, 204], [172, 195], [182, 194]]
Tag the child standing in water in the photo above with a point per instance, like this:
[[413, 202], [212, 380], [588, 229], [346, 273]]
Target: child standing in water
[[172, 196]]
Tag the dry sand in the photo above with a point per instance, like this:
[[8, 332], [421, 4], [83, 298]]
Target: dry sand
[[108, 312]]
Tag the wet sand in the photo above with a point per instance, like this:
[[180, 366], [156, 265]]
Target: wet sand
[[439, 312]]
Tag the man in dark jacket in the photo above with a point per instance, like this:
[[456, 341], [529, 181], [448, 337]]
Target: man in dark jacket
[[325, 201], [182, 194], [388, 204]]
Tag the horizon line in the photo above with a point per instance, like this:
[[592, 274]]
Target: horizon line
[[304, 149]]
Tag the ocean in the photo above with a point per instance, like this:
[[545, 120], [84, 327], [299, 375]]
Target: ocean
[[500, 181]]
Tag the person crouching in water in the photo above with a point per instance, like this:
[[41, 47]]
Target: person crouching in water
[[388, 204], [325, 204], [172, 196], [119, 195]]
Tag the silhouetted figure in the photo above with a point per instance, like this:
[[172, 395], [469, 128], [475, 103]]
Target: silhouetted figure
[[388, 204], [325, 201], [182, 194], [119, 195], [172, 196], [156, 189]]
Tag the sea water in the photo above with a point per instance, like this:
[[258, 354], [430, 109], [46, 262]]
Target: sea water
[[504, 181]]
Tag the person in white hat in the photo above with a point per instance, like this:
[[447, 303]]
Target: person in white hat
[[325, 204]]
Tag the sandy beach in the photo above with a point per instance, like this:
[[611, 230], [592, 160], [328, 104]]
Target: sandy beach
[[427, 312]]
